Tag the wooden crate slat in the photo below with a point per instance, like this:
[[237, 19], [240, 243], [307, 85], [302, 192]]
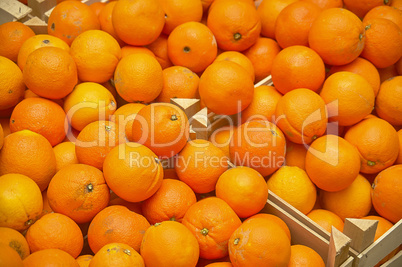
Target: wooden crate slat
[[348, 262], [13, 10], [39, 7], [37, 25], [265, 81], [395, 261], [189, 106]]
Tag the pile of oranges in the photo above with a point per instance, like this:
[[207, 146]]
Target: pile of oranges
[[97, 167]]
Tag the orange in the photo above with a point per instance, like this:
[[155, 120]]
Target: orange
[[294, 186], [326, 219], [192, 45], [105, 20], [46, 257], [133, 172], [219, 264], [129, 49], [362, 67], [226, 88], [38, 41], [97, 7], [360, 8], [41, 68], [269, 11], [387, 193], [295, 155], [383, 225], [41, 116], [138, 22], [13, 35], [272, 218], [162, 127], [169, 244], [349, 97], [244, 189], [325, 4], [297, 67], [294, 22], [387, 73], [386, 12], [88, 102], [8, 257], [21, 202], [221, 139], [302, 116], [178, 82], [262, 54], [238, 58], [249, 242], [169, 203], [65, 155], [235, 24], [337, 35], [399, 159], [138, 78], [351, 202], [96, 54], [28, 153], [84, 260], [383, 42], [212, 221], [389, 96], [397, 4], [200, 164], [117, 254], [71, 18], [304, 256], [117, 224], [377, 142], [14, 240], [259, 145], [179, 12], [124, 117], [55, 230], [332, 163], [12, 85], [133, 206], [160, 50]]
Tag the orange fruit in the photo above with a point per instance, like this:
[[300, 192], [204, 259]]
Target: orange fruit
[[106, 24], [244, 189], [12, 85], [28, 153], [212, 221], [360, 8], [12, 35], [349, 97], [138, 22], [399, 159], [295, 155], [248, 243], [46, 257], [133, 206], [226, 88], [160, 50], [302, 255], [162, 127], [88, 102], [259, 145], [386, 104], [302, 116], [294, 186], [124, 117], [383, 225], [238, 58], [386, 193], [169, 203], [386, 12], [332, 163], [262, 55], [377, 143], [200, 164], [297, 67], [78, 191], [351, 202], [383, 37], [117, 224], [219, 264], [326, 219], [36, 42], [133, 172], [221, 139], [71, 18], [117, 254], [9, 257], [272, 218], [41, 116], [138, 78], [337, 35], [14, 240], [235, 24], [325, 4], [169, 243], [55, 230], [178, 82], [397, 4], [387, 73], [179, 12], [192, 45], [65, 155], [362, 67], [294, 22], [269, 10], [96, 54], [129, 49], [97, 7], [84, 260]]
